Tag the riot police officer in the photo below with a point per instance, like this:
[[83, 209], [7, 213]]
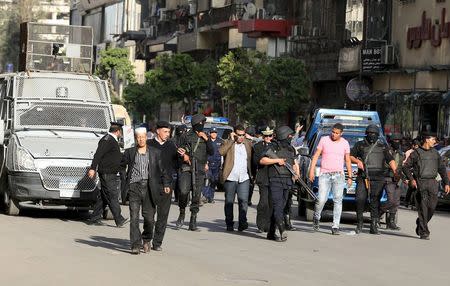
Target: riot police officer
[[278, 157], [426, 164], [392, 186], [263, 210], [195, 147], [371, 155], [214, 166]]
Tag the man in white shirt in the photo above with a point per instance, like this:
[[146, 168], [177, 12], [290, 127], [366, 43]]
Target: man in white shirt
[[237, 153]]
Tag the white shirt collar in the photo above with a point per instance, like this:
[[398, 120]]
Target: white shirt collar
[[114, 136]]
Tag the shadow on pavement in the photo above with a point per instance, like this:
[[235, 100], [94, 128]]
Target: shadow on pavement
[[117, 244]]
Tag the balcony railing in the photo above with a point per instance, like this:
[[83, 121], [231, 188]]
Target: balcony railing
[[220, 15]]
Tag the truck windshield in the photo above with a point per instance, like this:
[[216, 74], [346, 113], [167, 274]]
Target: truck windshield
[[62, 103], [68, 88]]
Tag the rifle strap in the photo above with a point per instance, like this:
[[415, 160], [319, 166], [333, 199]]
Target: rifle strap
[[196, 146]]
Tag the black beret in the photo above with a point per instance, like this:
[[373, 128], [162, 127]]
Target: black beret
[[116, 124], [162, 124]]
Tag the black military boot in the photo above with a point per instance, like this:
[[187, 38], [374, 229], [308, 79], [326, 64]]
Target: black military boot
[[193, 223], [271, 232], [374, 226], [287, 223], [180, 220], [359, 224], [390, 224]]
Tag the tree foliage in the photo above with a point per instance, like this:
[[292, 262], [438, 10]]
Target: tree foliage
[[179, 78], [115, 59], [143, 98], [263, 88]]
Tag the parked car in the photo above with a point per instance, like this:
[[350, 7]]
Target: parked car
[[444, 199]]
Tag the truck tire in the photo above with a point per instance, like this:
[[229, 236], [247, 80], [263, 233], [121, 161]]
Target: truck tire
[[11, 206]]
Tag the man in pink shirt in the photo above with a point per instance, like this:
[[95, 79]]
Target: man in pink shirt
[[334, 150]]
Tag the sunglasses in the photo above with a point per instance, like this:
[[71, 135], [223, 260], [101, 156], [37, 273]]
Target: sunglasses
[[267, 135]]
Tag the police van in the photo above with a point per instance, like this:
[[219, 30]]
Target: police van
[[355, 123], [52, 116]]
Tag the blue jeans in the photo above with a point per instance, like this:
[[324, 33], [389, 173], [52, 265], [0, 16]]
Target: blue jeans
[[242, 189], [334, 182]]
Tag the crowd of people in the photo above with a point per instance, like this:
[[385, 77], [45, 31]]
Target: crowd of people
[[192, 165]]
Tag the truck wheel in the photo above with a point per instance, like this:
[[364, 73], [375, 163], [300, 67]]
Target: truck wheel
[[11, 206], [309, 215]]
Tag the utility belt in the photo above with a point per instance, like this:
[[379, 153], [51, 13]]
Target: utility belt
[[141, 183]]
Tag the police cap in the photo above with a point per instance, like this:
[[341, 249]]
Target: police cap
[[213, 130], [267, 131]]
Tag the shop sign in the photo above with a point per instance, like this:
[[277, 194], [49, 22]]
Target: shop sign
[[371, 60], [428, 31]]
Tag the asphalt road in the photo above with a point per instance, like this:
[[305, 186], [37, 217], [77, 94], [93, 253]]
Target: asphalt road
[[58, 248]]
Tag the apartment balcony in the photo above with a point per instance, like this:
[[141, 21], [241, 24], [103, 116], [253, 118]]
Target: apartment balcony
[[265, 27], [196, 41]]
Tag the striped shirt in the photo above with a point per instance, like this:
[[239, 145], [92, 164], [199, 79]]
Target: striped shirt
[[140, 168]]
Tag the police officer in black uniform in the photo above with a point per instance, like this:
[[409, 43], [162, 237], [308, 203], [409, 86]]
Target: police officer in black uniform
[[280, 179], [392, 186], [195, 147], [426, 164], [106, 162], [371, 155], [179, 131], [264, 208]]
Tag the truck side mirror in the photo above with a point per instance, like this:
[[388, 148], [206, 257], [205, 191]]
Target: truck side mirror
[[2, 131]]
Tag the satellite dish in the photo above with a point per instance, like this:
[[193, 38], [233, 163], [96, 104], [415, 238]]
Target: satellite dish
[[251, 9], [357, 89]]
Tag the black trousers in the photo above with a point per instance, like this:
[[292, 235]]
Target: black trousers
[[186, 187], [108, 196], [426, 202], [264, 208], [393, 197], [159, 206], [376, 190], [139, 197], [278, 194], [288, 207]]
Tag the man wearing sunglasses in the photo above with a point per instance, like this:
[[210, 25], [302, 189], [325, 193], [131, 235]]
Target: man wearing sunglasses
[[263, 210], [237, 155]]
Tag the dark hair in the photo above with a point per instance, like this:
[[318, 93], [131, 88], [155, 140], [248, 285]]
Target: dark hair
[[239, 127], [114, 128], [338, 126]]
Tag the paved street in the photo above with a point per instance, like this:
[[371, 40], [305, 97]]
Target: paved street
[[56, 248]]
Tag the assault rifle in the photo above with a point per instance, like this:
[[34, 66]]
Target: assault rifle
[[271, 154]]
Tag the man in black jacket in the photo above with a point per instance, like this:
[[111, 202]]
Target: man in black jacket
[[149, 187], [107, 163], [422, 168]]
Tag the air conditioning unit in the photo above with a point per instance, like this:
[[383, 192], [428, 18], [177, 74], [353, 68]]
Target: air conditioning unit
[[261, 13], [388, 55], [163, 14]]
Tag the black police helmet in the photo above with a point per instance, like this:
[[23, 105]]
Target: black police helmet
[[372, 128], [283, 132]]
